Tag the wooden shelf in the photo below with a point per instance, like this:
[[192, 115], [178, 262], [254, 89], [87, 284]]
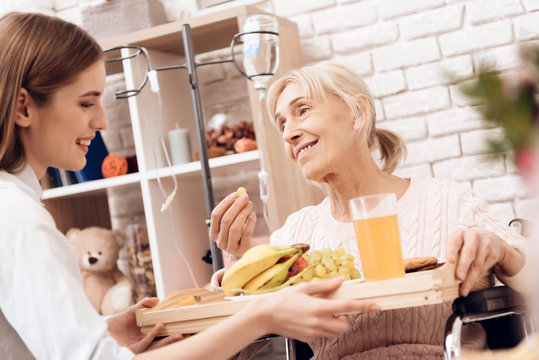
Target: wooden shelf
[[218, 165], [88, 187], [210, 32]]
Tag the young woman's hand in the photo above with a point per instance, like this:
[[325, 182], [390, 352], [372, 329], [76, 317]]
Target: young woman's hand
[[300, 311], [123, 328], [475, 253], [232, 224]]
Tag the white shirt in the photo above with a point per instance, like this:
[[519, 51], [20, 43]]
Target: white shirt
[[44, 312]]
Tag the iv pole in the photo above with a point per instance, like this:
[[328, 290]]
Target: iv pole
[[216, 257], [216, 253]]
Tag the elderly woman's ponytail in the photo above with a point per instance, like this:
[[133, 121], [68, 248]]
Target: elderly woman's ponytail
[[392, 149]]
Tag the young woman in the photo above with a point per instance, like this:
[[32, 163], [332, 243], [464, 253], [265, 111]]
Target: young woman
[[52, 75], [327, 119]]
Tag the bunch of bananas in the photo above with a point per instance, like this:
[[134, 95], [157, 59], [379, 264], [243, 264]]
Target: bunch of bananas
[[265, 268]]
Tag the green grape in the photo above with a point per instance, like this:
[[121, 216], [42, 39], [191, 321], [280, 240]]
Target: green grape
[[347, 257], [328, 252], [333, 274], [331, 266], [315, 253], [340, 251], [342, 270], [347, 264], [355, 274], [320, 270], [307, 276]]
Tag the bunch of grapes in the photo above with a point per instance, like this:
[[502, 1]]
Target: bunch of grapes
[[328, 263]]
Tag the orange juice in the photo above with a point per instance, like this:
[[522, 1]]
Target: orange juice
[[379, 245]]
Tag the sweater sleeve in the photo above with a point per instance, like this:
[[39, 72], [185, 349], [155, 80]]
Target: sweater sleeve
[[475, 214]]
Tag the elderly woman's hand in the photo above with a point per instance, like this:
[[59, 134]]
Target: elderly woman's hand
[[475, 253], [233, 223]]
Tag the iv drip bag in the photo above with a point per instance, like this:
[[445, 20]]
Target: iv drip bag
[[260, 50]]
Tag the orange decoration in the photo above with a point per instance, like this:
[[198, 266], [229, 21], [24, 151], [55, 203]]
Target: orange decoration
[[114, 165], [245, 144]]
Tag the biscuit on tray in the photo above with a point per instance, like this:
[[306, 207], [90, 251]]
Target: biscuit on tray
[[418, 263]]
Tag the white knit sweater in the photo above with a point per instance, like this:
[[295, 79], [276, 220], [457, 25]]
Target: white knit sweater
[[429, 211]]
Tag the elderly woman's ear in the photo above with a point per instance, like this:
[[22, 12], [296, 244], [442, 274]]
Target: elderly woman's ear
[[362, 111]]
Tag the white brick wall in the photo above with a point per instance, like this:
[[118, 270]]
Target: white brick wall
[[439, 73], [454, 120], [526, 27], [416, 102], [366, 37], [489, 10], [387, 83], [476, 142], [405, 54], [393, 8], [432, 22], [413, 128], [474, 38], [330, 20]]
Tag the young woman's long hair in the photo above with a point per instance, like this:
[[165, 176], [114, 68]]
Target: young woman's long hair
[[39, 53]]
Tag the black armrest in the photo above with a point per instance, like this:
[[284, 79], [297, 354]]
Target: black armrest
[[499, 298]]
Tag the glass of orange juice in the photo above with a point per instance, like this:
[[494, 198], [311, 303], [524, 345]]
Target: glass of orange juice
[[377, 234]]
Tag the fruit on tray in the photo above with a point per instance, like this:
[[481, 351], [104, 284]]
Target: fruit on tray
[[328, 263], [266, 268], [262, 269]]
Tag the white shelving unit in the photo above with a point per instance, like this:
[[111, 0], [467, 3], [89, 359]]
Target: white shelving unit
[[182, 228]]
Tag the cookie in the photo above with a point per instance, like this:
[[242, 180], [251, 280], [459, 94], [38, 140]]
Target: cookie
[[419, 262]]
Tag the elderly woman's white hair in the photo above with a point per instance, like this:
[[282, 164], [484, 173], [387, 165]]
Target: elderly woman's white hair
[[324, 78]]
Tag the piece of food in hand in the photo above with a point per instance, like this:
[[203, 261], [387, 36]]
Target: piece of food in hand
[[418, 263], [241, 190], [259, 270]]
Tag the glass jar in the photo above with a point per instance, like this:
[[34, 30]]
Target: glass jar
[[140, 261]]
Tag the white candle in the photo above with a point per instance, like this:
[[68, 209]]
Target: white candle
[[180, 146]]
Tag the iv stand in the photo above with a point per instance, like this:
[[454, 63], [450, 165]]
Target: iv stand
[[216, 254], [191, 65]]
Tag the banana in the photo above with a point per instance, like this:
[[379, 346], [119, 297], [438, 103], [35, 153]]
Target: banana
[[253, 262], [288, 282], [273, 276]]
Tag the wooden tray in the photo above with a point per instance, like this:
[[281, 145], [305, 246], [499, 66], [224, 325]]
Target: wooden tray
[[415, 289]]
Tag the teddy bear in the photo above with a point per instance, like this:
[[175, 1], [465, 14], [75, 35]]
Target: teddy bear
[[107, 288]]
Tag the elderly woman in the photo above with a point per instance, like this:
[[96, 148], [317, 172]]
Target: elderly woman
[[327, 119]]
